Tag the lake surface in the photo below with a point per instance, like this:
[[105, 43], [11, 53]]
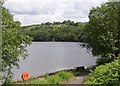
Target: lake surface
[[48, 57]]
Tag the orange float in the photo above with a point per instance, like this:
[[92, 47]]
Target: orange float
[[25, 76]]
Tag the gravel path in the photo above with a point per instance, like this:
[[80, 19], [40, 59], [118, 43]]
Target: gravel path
[[78, 78]]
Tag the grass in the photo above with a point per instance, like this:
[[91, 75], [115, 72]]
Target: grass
[[57, 78]]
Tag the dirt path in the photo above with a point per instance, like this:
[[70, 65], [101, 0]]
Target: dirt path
[[78, 78]]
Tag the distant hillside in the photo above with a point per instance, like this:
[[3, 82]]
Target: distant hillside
[[66, 31]]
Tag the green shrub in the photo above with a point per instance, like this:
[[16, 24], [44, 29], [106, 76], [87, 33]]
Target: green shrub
[[105, 59], [105, 74], [65, 75]]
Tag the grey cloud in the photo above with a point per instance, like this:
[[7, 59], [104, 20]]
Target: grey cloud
[[33, 8], [33, 12], [77, 11], [30, 12]]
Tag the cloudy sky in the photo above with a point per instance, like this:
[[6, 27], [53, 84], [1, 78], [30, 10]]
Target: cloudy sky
[[40, 11]]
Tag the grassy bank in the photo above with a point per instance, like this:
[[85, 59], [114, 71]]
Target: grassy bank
[[57, 78]]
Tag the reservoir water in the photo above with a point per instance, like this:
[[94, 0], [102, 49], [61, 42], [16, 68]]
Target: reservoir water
[[48, 57]]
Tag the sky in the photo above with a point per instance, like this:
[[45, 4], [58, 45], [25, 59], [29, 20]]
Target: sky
[[30, 12]]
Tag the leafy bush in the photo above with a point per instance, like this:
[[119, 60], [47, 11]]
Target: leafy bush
[[54, 79], [65, 75], [105, 59], [105, 74]]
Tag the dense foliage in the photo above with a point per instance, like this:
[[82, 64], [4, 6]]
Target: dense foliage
[[107, 74], [13, 43], [102, 37], [106, 59], [56, 31], [102, 33]]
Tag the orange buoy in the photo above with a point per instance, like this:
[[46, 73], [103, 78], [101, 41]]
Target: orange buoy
[[25, 76]]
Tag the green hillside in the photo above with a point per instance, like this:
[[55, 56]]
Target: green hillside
[[66, 31]]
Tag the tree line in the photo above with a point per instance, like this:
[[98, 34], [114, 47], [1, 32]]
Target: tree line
[[65, 31]]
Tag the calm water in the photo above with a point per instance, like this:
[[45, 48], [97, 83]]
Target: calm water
[[48, 57]]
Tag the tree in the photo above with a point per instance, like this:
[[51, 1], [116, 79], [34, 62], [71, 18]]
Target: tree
[[68, 22], [14, 43], [102, 33], [44, 35]]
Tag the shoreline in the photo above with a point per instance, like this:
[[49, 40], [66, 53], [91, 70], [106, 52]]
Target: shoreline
[[75, 69]]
